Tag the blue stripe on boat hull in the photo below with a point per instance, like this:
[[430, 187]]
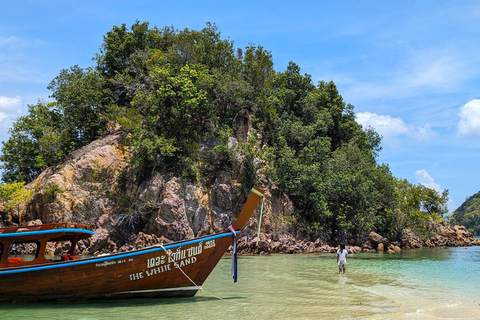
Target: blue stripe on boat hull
[[41, 232]]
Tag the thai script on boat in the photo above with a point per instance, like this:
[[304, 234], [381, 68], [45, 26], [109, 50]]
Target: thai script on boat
[[209, 244], [180, 254], [111, 262], [155, 262], [175, 256], [172, 259], [105, 263]]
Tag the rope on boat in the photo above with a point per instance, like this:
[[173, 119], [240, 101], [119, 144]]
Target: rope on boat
[[234, 264], [234, 233], [261, 214], [200, 288], [175, 264]]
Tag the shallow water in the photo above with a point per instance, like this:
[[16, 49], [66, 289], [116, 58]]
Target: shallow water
[[417, 284]]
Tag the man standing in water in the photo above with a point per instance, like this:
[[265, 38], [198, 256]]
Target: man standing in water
[[342, 259]]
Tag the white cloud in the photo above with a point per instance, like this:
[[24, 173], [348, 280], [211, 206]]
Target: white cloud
[[469, 124], [417, 73], [8, 105], [23, 60], [10, 108], [390, 127], [15, 43], [425, 179], [11, 42], [436, 69]]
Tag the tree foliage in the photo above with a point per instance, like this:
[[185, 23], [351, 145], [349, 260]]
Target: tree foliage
[[37, 140], [12, 195], [82, 102], [468, 214]]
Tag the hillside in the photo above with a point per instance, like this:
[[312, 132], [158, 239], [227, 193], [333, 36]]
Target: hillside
[[468, 214]]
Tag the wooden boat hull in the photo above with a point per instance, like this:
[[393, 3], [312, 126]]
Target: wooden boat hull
[[176, 269], [149, 272]]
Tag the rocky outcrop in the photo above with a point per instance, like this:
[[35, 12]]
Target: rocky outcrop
[[268, 244], [444, 235], [77, 190], [85, 189], [380, 243]]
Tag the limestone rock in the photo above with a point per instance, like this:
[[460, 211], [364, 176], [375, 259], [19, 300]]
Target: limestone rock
[[101, 242], [376, 239], [145, 240], [380, 247], [222, 196], [410, 240]]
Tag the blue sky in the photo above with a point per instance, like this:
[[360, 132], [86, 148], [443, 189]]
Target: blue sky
[[410, 68]]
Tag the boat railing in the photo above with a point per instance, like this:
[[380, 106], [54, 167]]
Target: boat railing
[[50, 226]]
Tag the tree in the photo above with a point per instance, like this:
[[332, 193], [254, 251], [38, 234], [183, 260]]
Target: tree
[[416, 204], [82, 102], [37, 140], [13, 194], [175, 111], [258, 68], [120, 44]]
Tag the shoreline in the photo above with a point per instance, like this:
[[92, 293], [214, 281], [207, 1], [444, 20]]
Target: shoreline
[[445, 236]]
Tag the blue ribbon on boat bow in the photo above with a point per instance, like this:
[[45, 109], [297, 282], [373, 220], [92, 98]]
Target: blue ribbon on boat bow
[[234, 257]]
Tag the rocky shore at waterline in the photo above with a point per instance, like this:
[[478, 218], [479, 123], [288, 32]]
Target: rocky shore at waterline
[[446, 235]]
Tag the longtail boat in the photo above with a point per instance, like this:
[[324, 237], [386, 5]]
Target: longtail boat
[[176, 269]]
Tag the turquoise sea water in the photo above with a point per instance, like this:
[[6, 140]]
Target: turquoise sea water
[[417, 284]]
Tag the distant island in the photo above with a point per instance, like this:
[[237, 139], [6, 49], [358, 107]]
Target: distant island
[[163, 138], [468, 214]]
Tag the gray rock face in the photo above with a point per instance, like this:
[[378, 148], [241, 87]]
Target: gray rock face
[[84, 189]]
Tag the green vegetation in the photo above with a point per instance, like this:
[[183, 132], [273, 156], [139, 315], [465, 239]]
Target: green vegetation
[[12, 195], [180, 95], [468, 214], [52, 190]]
